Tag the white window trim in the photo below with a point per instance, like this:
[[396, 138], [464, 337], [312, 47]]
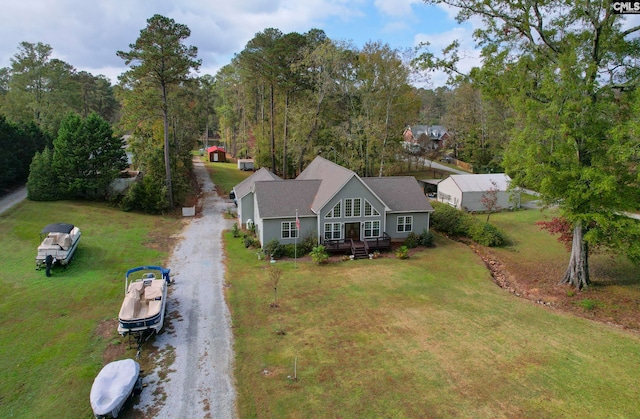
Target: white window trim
[[404, 217], [353, 207], [333, 230], [374, 211], [293, 231], [330, 214], [372, 222]]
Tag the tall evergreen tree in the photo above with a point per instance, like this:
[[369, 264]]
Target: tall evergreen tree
[[19, 143], [86, 157], [159, 59], [42, 184], [262, 61]]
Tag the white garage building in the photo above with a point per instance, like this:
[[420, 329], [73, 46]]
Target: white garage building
[[465, 191]]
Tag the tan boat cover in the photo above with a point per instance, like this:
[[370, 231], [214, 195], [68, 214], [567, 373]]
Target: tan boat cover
[[142, 301]]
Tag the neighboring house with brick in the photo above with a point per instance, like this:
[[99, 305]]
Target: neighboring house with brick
[[425, 137], [334, 205]]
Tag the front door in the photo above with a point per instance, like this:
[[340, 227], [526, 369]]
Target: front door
[[352, 231]]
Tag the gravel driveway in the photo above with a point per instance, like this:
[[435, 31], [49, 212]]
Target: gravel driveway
[[193, 374], [9, 200]]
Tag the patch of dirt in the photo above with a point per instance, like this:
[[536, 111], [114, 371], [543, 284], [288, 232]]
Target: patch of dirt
[[115, 349]]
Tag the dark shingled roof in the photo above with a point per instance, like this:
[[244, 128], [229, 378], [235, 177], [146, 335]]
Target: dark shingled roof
[[333, 177], [283, 198], [400, 193], [245, 186]]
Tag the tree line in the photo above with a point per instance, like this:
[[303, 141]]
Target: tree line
[[553, 102]]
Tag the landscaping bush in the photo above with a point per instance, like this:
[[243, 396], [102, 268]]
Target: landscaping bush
[[250, 241], [449, 220], [426, 238], [412, 241], [402, 252], [306, 245], [453, 222], [486, 234], [319, 255], [273, 248], [291, 251]]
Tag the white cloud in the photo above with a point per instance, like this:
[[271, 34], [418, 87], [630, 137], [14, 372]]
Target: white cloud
[[396, 8], [87, 34]]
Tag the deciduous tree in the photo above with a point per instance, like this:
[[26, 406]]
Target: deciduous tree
[[565, 68]]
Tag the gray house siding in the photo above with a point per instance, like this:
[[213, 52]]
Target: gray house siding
[[272, 229], [246, 207], [419, 223], [354, 189], [369, 207]]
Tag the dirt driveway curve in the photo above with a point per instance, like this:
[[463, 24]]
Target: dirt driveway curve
[[193, 374]]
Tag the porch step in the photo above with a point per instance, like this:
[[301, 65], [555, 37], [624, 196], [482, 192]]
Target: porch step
[[360, 253]]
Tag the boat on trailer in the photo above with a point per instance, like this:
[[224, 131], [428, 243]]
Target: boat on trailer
[[145, 302], [59, 242], [112, 387]]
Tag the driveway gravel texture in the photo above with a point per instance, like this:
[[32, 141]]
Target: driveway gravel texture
[[192, 375], [12, 198]]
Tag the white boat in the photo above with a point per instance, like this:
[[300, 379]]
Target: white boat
[[145, 301], [114, 384], [58, 245]]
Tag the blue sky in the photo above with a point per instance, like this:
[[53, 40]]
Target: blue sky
[[87, 33]]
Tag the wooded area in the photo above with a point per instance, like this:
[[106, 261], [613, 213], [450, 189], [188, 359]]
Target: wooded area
[[553, 103]]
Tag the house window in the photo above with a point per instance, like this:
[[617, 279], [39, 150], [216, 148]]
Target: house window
[[369, 210], [352, 207], [405, 223], [289, 230], [372, 229], [332, 231], [335, 211]]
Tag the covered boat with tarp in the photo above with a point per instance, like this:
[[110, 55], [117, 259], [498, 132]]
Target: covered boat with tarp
[[59, 242], [114, 384]]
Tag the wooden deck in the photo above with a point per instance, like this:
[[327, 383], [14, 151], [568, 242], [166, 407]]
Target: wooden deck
[[356, 247]]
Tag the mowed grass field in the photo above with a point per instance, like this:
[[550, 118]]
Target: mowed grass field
[[54, 331], [431, 336]]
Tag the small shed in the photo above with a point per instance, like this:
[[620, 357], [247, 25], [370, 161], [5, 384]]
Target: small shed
[[217, 154], [245, 164], [465, 192]]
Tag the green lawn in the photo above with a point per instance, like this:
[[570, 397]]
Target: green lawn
[[226, 175], [51, 351], [431, 336]]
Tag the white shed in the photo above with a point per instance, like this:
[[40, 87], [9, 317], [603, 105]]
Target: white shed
[[245, 164], [465, 191]]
